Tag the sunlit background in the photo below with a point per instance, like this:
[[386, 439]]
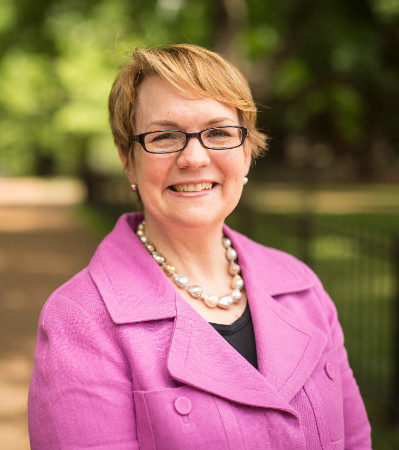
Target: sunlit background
[[324, 75]]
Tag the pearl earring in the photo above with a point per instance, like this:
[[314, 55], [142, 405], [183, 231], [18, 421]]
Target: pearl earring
[[245, 180], [133, 187]]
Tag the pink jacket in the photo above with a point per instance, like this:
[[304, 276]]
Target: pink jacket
[[123, 362]]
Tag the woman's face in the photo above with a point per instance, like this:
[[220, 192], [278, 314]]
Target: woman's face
[[193, 187]]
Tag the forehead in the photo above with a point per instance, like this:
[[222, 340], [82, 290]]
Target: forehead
[[160, 101]]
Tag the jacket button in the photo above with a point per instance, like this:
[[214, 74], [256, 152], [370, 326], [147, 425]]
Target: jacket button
[[182, 405], [330, 370]]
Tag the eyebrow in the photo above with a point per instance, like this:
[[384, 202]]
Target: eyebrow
[[168, 123]]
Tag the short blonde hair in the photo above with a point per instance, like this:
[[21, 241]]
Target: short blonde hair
[[191, 69]]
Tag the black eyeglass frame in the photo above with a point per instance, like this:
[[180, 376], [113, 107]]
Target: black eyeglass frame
[[140, 138]]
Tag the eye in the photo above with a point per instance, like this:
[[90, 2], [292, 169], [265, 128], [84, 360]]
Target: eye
[[159, 137], [215, 133]]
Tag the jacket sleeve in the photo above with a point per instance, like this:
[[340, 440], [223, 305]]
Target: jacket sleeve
[[81, 391], [356, 423]]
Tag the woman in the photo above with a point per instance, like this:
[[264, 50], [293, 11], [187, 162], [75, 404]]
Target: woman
[[181, 333]]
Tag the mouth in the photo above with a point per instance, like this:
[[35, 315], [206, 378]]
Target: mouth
[[198, 187]]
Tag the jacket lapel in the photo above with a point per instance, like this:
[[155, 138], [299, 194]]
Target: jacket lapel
[[133, 287], [200, 357], [288, 351], [288, 348]]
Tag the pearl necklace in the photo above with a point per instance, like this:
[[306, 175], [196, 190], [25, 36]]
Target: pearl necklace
[[195, 291]]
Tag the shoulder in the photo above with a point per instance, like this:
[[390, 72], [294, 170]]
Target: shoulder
[[288, 280], [76, 301], [82, 291]]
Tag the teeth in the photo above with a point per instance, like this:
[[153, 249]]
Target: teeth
[[192, 187]]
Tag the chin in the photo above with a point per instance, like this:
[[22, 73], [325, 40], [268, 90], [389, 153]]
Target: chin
[[201, 217]]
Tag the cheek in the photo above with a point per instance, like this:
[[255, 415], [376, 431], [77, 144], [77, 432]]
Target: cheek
[[236, 165], [139, 168], [153, 172]]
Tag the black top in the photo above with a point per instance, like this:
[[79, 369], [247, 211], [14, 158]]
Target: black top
[[240, 335]]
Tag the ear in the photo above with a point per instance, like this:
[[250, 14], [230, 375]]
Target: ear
[[127, 165], [247, 158], [122, 156]]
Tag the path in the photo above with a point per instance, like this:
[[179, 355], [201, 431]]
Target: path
[[41, 246]]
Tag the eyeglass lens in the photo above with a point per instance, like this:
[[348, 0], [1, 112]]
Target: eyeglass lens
[[212, 138]]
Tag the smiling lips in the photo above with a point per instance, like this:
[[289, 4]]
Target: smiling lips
[[192, 187]]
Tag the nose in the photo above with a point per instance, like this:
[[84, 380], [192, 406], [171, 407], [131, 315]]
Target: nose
[[194, 155]]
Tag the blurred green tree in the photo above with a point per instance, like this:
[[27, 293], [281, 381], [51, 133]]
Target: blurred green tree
[[324, 71]]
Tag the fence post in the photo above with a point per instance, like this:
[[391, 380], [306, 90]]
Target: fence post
[[394, 410]]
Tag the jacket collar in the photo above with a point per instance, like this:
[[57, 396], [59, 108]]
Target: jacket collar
[[288, 347], [135, 292], [130, 282]]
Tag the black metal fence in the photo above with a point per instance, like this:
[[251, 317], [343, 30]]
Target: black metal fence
[[360, 270]]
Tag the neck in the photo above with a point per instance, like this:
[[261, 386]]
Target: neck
[[193, 250], [209, 274]]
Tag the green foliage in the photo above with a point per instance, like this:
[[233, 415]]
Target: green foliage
[[328, 70]]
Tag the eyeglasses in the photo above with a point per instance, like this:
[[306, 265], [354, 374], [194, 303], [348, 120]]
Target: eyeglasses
[[170, 141]]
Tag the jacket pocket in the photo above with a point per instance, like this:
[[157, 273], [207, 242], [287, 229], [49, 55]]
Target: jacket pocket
[[324, 390], [179, 418]]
